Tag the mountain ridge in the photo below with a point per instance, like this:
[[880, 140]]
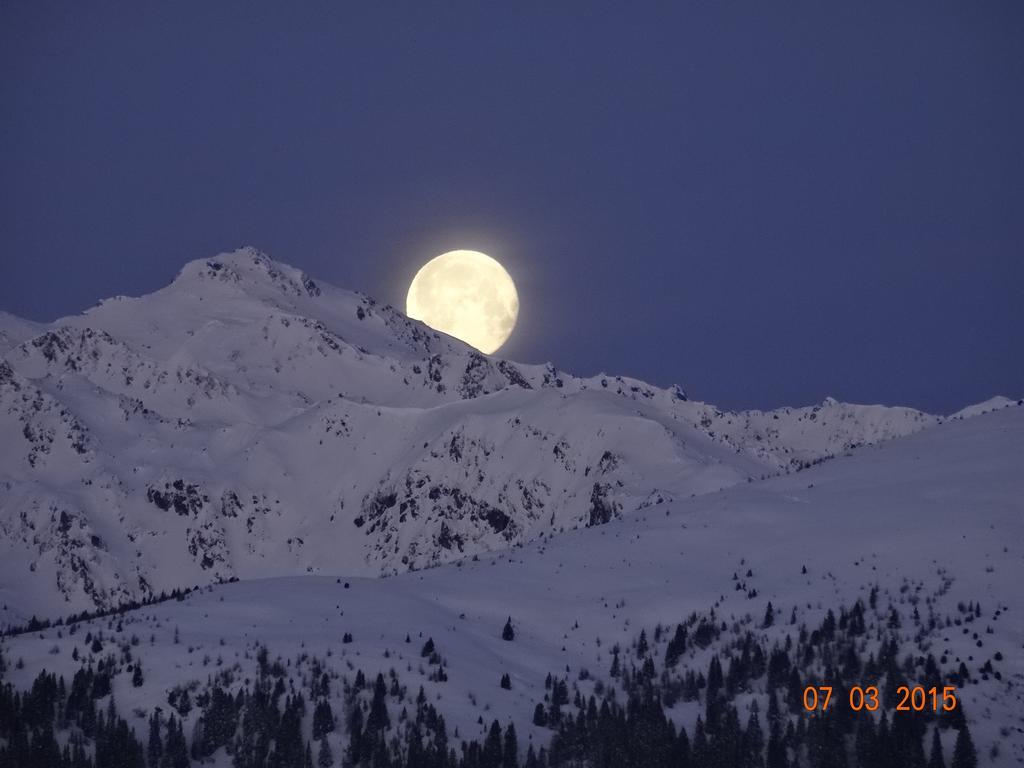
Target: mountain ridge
[[248, 420]]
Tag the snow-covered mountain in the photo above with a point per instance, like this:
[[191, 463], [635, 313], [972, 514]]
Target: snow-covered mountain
[[919, 541], [247, 421]]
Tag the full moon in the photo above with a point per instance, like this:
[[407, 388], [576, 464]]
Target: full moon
[[468, 295]]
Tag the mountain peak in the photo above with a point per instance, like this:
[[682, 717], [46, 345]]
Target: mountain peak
[[248, 268]]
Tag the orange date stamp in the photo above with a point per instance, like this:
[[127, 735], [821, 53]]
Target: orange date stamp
[[916, 698]]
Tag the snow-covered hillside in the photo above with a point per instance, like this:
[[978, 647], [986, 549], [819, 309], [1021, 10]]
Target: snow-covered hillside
[[248, 421], [926, 532]]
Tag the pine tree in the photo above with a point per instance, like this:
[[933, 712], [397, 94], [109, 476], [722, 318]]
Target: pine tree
[[46, 752], [176, 754], [701, 752], [510, 748], [769, 616], [776, 755], [964, 755], [378, 719], [936, 760], [865, 743], [324, 758], [508, 633], [156, 745], [713, 702], [184, 703], [218, 723], [137, 679], [676, 646], [540, 717], [323, 719], [794, 692], [490, 757], [355, 739], [753, 738], [641, 646], [774, 716], [288, 739], [506, 682], [825, 746]]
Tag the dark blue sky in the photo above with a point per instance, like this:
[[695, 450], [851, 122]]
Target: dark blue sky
[[766, 203]]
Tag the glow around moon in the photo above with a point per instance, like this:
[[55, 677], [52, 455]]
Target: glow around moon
[[468, 295]]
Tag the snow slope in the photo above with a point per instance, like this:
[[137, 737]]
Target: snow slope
[[14, 330], [247, 421], [933, 519]]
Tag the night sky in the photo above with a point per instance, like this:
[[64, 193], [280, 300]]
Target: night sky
[[765, 203]]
